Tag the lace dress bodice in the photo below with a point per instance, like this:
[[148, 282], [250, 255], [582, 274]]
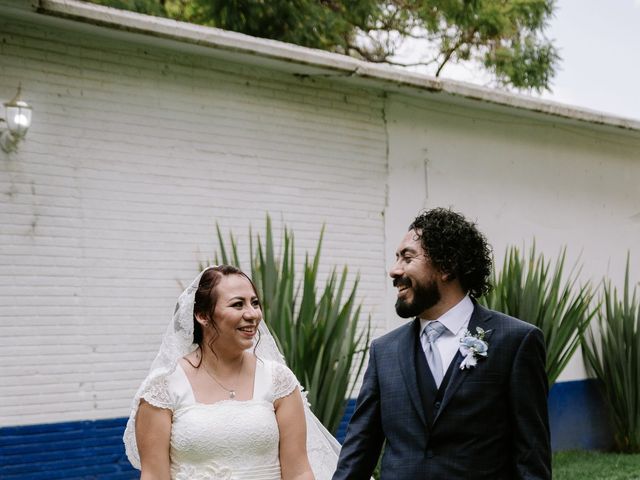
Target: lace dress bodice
[[230, 439]]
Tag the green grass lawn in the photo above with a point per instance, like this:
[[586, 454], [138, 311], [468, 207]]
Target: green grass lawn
[[595, 466]]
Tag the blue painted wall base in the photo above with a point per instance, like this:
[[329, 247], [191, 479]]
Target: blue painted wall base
[[72, 451], [93, 449], [578, 417]]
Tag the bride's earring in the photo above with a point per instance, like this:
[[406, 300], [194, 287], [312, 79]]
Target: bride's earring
[[203, 321]]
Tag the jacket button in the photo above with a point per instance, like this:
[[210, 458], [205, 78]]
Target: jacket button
[[429, 453], [436, 405]]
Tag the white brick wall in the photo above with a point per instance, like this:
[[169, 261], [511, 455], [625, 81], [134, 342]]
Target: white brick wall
[[135, 152]]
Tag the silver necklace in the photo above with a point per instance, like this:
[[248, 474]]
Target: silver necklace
[[231, 392]]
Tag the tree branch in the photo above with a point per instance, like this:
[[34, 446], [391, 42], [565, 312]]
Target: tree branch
[[466, 38]]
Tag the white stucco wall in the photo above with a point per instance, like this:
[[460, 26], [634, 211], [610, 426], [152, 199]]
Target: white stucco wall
[[521, 178]]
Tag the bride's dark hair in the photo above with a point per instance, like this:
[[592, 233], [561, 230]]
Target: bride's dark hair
[[205, 301]]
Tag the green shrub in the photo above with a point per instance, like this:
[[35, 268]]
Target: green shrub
[[612, 353], [317, 331], [530, 290]]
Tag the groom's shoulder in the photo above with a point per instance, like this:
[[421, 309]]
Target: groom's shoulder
[[392, 337], [512, 324]]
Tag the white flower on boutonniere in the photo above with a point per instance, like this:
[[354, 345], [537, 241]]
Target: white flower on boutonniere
[[473, 347]]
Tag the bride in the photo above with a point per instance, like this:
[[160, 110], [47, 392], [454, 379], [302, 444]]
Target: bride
[[219, 401]]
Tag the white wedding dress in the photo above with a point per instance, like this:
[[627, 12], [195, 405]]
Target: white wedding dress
[[230, 439]]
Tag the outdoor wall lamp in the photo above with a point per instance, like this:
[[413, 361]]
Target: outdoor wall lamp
[[17, 115]]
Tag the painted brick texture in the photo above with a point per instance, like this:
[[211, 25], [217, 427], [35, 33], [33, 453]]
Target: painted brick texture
[[135, 153], [69, 450]]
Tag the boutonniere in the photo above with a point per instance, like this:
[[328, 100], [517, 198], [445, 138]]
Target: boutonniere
[[473, 347]]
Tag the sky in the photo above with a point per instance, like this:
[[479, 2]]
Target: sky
[[599, 42], [599, 46]]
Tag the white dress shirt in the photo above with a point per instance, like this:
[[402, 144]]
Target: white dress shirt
[[456, 320]]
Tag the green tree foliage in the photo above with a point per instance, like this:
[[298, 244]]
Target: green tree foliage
[[504, 37], [327, 25], [150, 7]]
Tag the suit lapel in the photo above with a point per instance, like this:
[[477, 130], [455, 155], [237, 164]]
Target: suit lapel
[[408, 368], [478, 318]]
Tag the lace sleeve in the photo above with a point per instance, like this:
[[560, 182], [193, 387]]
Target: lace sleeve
[[157, 393], [284, 381]]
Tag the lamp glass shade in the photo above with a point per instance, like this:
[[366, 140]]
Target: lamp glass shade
[[18, 116]]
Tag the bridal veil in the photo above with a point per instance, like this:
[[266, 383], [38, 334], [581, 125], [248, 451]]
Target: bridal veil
[[322, 448]]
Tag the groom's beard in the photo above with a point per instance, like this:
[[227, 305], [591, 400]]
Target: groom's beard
[[424, 297]]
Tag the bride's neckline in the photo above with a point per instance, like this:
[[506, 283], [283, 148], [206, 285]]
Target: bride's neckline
[[259, 365]]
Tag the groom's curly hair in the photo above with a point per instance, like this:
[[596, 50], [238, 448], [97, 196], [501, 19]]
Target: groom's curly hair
[[456, 247]]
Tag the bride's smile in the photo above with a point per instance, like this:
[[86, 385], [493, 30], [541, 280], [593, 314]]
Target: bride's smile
[[236, 315]]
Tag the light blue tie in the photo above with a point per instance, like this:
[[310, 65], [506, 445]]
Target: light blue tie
[[431, 333]]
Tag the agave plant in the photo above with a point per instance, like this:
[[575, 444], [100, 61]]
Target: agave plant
[[317, 332], [612, 354], [534, 292]]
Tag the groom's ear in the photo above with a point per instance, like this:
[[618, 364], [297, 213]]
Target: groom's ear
[[447, 277]]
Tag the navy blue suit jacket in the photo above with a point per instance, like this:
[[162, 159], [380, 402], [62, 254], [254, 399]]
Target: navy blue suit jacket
[[488, 422]]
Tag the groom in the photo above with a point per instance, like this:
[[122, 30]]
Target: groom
[[460, 392]]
